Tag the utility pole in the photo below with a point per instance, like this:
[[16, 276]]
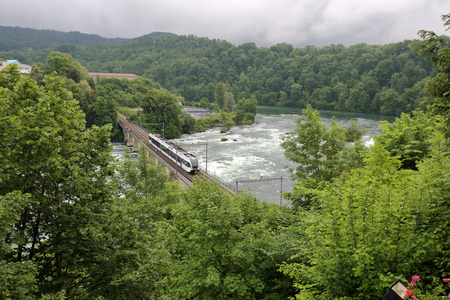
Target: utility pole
[[148, 124]]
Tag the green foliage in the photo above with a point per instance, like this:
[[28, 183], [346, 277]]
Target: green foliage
[[408, 138], [375, 224], [436, 50], [313, 147], [227, 246], [125, 92], [64, 65], [227, 120], [204, 102], [246, 110], [47, 154], [99, 110], [211, 121], [20, 38], [359, 78], [137, 262], [161, 107], [321, 154], [17, 279], [353, 132], [220, 95]]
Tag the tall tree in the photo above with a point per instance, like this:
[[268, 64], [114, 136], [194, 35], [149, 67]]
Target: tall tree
[[47, 154], [435, 49], [227, 247], [313, 147], [229, 101], [219, 95], [321, 154], [377, 224], [161, 109]]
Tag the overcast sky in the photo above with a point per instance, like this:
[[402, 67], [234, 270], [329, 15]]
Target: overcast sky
[[265, 22]]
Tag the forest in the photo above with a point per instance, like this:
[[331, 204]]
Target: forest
[[17, 38], [76, 223], [380, 79]]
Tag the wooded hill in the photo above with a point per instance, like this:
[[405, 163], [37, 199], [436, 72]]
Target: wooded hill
[[381, 79], [18, 38]]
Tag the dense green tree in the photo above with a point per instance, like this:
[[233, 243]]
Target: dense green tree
[[138, 262], [17, 278], [227, 247], [47, 154], [390, 102], [63, 64], [321, 154], [192, 67], [313, 147], [377, 224], [161, 109], [409, 138], [204, 102], [219, 94], [435, 49], [246, 110], [125, 92], [353, 132], [229, 101]]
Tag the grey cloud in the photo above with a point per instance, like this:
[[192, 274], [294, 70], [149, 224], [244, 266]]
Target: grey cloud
[[298, 22]]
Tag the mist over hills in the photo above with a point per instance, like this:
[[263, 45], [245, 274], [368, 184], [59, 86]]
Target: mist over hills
[[18, 38]]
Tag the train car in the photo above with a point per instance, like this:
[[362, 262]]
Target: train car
[[181, 157]]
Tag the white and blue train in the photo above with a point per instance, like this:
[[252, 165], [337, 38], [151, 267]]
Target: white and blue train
[[184, 159]]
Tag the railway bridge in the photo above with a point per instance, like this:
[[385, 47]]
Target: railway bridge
[[135, 136]]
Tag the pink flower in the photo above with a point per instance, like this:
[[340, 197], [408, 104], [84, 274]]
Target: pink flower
[[446, 279], [415, 278], [415, 298]]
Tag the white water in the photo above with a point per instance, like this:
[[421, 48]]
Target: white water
[[254, 151]]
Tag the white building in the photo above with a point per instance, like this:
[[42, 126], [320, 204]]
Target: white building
[[23, 68]]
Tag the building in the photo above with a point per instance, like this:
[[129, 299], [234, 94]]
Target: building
[[3, 63], [23, 68], [97, 76]]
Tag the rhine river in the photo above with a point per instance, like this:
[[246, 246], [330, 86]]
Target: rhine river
[[254, 152]]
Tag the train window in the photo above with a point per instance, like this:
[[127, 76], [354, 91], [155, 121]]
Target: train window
[[186, 163], [194, 162], [173, 155], [156, 143]]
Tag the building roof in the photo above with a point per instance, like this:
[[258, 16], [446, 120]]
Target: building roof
[[112, 75]]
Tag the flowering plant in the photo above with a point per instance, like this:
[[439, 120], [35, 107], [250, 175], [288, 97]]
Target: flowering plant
[[415, 284]]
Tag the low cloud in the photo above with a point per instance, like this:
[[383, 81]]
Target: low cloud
[[300, 23]]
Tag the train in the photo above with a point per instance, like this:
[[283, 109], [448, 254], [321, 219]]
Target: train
[[178, 155]]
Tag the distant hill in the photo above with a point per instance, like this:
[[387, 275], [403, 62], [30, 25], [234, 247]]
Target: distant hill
[[18, 38]]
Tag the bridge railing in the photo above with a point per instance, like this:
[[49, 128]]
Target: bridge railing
[[219, 180]]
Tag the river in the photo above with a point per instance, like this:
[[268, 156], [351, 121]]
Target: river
[[253, 151]]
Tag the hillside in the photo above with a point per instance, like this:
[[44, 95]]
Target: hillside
[[380, 79], [17, 38]]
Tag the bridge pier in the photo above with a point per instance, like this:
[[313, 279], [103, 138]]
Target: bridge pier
[[131, 140]]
